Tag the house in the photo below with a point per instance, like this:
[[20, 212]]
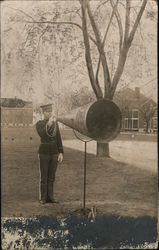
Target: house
[[16, 112], [139, 113]]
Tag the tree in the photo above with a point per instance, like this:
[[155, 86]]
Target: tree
[[125, 41], [81, 97], [103, 78], [147, 110]]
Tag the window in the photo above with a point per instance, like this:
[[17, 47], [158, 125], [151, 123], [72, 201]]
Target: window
[[154, 122], [123, 125], [135, 113], [126, 123], [135, 124], [131, 122]]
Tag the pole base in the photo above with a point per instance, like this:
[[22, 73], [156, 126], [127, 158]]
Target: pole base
[[87, 212], [82, 211]]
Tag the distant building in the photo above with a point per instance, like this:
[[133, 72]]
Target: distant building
[[16, 112], [14, 103], [135, 109]]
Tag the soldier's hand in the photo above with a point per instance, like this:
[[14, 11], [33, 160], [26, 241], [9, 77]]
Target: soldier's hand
[[51, 120], [60, 157], [54, 119]]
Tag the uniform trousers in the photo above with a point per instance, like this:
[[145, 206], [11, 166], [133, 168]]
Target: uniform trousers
[[48, 166]]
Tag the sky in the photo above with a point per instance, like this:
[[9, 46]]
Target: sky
[[10, 84]]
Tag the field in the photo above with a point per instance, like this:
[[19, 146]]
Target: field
[[114, 186]]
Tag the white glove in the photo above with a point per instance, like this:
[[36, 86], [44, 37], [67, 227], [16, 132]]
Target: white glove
[[51, 120], [60, 157]]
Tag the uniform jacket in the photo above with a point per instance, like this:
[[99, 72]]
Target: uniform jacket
[[49, 145]]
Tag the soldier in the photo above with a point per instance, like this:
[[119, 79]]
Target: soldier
[[50, 153]]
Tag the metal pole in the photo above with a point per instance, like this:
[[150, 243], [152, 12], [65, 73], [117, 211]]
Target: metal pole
[[85, 164], [85, 157]]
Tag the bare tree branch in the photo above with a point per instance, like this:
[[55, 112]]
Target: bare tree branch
[[32, 27], [77, 12], [21, 11], [43, 32], [71, 23], [144, 47], [127, 21], [110, 21], [118, 18], [137, 21], [105, 36], [112, 64], [94, 84], [139, 24], [125, 49], [101, 51], [39, 22], [102, 4], [119, 69]]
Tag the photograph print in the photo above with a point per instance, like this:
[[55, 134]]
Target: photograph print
[[79, 110]]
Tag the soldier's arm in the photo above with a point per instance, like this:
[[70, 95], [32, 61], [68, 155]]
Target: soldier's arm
[[59, 141], [50, 126], [41, 128]]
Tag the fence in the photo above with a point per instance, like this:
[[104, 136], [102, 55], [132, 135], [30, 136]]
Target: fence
[[16, 117]]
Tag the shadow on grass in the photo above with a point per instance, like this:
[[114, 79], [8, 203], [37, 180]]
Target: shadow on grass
[[105, 232], [75, 155], [107, 179]]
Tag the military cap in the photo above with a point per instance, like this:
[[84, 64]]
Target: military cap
[[46, 107]]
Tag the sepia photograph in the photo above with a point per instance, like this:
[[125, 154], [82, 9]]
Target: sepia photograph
[[79, 132]]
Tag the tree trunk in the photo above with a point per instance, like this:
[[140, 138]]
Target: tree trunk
[[102, 149]]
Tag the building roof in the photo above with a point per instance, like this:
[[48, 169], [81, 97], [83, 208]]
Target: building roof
[[131, 98], [14, 103]]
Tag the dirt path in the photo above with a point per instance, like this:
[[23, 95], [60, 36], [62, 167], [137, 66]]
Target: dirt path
[[137, 153]]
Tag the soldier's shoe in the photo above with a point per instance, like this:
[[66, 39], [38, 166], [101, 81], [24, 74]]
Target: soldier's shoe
[[52, 200], [42, 202]]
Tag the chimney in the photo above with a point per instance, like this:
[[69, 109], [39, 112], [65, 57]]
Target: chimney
[[137, 92]]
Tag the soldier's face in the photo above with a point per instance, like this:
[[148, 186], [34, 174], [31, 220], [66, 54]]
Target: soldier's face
[[47, 114]]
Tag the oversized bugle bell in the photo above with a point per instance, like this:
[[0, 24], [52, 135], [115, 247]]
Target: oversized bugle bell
[[99, 120]]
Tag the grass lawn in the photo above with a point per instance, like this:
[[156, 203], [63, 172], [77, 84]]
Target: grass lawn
[[67, 134], [125, 197], [113, 187]]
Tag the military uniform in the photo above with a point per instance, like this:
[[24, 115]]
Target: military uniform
[[50, 147]]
